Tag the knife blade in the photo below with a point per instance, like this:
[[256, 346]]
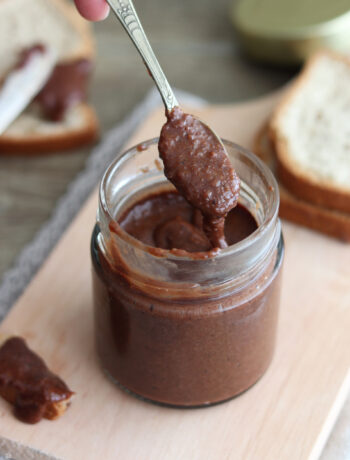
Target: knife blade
[[22, 84]]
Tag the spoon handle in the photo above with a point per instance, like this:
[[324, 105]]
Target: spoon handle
[[125, 12]]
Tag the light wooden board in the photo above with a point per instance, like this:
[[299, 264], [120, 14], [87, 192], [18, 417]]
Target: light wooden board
[[287, 415]]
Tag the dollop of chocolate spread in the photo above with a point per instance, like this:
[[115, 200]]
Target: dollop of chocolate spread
[[179, 234], [166, 220], [66, 86], [197, 164], [27, 383]]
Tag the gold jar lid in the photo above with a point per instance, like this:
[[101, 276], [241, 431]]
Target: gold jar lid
[[288, 31]]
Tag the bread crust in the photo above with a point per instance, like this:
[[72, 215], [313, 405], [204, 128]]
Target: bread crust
[[302, 184], [327, 221], [49, 143]]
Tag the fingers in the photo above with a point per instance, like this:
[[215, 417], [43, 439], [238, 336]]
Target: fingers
[[93, 10]]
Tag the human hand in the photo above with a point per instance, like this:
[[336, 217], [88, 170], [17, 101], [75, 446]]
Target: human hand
[[93, 10]]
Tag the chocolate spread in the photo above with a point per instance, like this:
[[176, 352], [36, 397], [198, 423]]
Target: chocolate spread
[[66, 86], [27, 383], [192, 350], [187, 351], [196, 162], [166, 220]]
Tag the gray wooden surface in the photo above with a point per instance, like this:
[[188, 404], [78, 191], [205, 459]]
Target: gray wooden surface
[[198, 51]]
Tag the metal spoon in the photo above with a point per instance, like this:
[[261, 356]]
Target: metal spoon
[[125, 12]]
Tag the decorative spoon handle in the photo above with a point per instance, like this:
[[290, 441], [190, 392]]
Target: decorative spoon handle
[[125, 12]]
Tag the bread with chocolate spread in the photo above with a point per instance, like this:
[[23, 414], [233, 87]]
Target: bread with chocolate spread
[[71, 122]]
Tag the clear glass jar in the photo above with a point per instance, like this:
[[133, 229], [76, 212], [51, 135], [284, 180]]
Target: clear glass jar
[[177, 329]]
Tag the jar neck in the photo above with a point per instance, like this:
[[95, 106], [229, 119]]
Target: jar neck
[[136, 173]]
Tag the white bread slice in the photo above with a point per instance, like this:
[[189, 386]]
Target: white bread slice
[[310, 131], [328, 221], [31, 134], [57, 24], [52, 22]]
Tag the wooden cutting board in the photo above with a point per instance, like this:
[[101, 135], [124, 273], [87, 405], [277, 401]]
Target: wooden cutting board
[[288, 414]]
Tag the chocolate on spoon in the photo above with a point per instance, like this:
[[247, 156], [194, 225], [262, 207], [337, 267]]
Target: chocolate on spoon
[[196, 162]]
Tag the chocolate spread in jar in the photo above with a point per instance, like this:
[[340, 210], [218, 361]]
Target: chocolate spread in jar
[[165, 334], [166, 220], [197, 164], [66, 86], [190, 350], [27, 383]]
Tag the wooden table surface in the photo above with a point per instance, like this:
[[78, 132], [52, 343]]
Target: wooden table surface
[[287, 415], [198, 51]]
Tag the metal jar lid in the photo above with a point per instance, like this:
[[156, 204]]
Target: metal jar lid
[[288, 31]]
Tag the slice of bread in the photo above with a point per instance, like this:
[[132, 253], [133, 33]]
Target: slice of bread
[[310, 131], [54, 23], [31, 134], [330, 222]]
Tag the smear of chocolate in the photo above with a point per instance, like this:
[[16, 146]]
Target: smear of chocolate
[[27, 383], [66, 86], [167, 221]]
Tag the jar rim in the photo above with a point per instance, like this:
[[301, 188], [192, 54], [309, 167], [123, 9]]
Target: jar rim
[[230, 250]]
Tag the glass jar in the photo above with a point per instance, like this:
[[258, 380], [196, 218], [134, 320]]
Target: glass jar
[[177, 329]]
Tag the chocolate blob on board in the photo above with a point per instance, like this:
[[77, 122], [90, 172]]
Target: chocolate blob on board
[[166, 220], [66, 86], [197, 164], [27, 383]]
